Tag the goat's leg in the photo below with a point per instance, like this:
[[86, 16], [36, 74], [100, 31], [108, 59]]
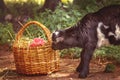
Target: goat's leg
[[86, 56], [79, 68]]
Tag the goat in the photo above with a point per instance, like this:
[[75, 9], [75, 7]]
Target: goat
[[92, 31]]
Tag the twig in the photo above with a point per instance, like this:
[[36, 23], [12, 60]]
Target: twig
[[4, 75], [26, 29], [10, 34]]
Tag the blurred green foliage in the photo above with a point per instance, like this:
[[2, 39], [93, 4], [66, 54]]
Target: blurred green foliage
[[58, 19], [109, 52], [6, 33]]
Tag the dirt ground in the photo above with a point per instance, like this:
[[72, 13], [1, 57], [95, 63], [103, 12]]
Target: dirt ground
[[66, 72]]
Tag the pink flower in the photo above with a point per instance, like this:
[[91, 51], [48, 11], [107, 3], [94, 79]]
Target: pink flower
[[37, 42]]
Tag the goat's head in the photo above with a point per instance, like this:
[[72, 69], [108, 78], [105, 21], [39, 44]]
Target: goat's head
[[63, 39]]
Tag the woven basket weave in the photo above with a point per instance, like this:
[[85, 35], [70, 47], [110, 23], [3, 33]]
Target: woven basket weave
[[35, 60]]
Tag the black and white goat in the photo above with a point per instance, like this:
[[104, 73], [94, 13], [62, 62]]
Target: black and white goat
[[92, 31]]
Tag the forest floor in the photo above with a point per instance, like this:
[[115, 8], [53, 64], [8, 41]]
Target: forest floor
[[66, 72]]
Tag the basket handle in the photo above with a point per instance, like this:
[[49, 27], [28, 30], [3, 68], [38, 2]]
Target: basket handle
[[46, 30]]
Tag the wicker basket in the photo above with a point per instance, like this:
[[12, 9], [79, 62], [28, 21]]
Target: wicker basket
[[35, 60]]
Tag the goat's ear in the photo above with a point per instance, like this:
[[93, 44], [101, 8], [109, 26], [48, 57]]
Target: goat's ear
[[59, 39]]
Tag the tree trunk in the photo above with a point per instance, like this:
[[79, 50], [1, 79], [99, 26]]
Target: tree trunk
[[2, 5], [49, 4]]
